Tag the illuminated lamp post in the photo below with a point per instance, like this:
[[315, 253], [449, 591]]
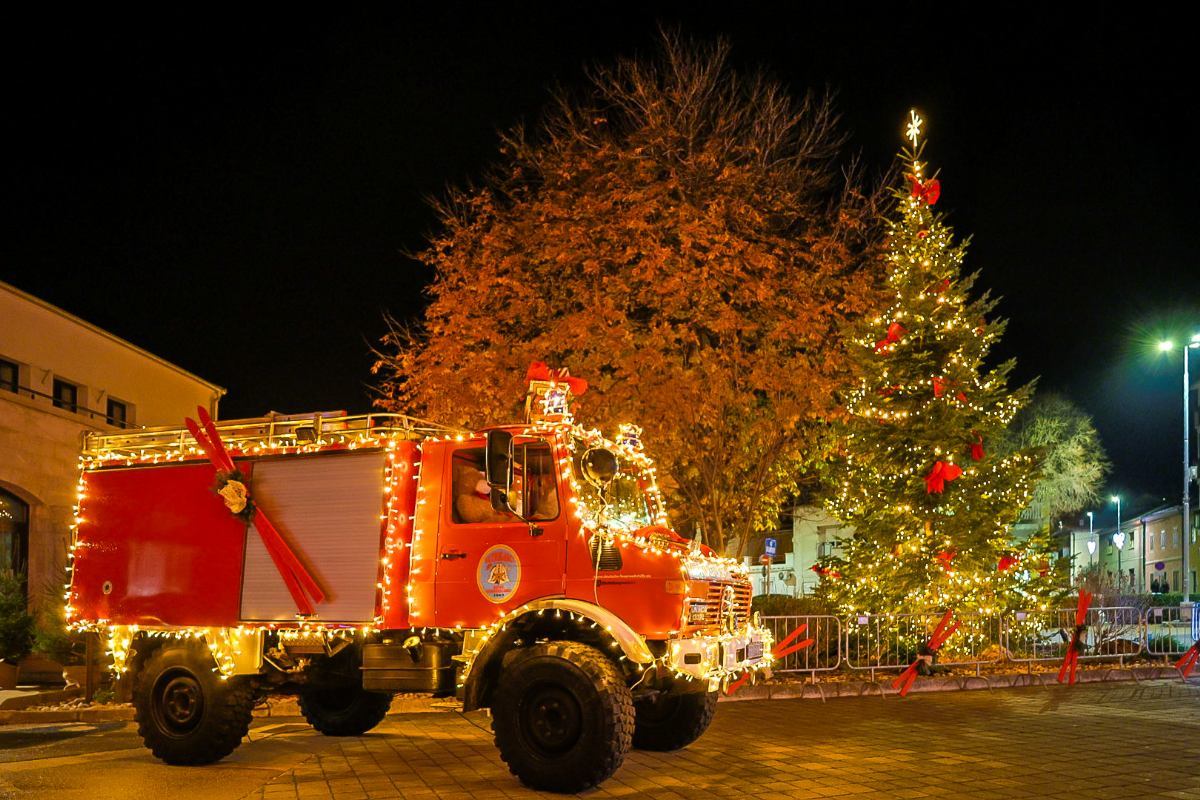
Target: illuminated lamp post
[[1167, 347], [1118, 540], [1091, 543]]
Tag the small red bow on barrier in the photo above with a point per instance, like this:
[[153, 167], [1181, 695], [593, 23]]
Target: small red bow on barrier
[[929, 191], [538, 371], [779, 651], [895, 332], [941, 633], [977, 453], [295, 576], [1186, 664], [941, 474], [1071, 659]]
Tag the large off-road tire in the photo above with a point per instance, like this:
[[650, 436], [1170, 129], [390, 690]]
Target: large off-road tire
[[672, 720], [563, 716], [343, 710], [185, 713]]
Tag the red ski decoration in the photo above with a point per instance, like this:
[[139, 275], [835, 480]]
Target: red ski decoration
[[1071, 659], [941, 633], [895, 332], [929, 191], [1186, 664], [538, 371], [300, 584], [941, 474]]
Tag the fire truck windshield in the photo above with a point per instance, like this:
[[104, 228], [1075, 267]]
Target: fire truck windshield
[[622, 503]]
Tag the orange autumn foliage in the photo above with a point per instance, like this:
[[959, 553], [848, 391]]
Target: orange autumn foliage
[[686, 239]]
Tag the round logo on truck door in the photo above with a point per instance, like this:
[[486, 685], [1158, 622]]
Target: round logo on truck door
[[499, 573]]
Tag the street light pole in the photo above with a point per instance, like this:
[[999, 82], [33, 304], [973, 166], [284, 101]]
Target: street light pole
[[1091, 540], [1118, 539], [1194, 344]]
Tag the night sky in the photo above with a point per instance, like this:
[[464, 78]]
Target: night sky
[[238, 194]]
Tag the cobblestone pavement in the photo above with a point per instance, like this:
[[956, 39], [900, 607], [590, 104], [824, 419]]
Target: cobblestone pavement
[[1093, 741]]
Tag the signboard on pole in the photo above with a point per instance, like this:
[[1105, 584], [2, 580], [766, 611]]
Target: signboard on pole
[[769, 546]]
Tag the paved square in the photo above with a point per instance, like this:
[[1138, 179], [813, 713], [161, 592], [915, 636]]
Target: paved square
[[1090, 741]]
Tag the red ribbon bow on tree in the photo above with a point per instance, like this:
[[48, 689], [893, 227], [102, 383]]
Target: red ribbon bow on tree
[[1007, 562], [941, 474], [941, 633], [946, 557], [929, 191], [977, 453], [780, 650], [300, 584], [895, 332], [826, 573], [939, 385], [538, 371], [1071, 659], [1186, 664]]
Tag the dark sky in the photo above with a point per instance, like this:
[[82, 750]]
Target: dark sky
[[237, 193]]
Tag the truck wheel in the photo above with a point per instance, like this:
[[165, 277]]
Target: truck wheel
[[343, 711], [185, 713], [672, 720], [563, 716]]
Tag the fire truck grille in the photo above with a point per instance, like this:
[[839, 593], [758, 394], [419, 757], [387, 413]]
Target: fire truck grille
[[710, 611]]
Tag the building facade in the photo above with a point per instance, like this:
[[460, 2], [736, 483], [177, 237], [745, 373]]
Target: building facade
[[814, 534], [1148, 555], [60, 377]]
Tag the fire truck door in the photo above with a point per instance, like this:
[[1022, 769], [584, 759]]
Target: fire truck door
[[490, 562]]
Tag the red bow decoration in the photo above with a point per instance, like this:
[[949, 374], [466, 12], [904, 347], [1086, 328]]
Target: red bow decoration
[[939, 386], [977, 453], [961, 397], [946, 557], [778, 651], [538, 371], [826, 573], [942, 286], [895, 332], [300, 583], [941, 633], [929, 191], [1071, 659], [1186, 664], [941, 474], [1007, 562], [888, 391]]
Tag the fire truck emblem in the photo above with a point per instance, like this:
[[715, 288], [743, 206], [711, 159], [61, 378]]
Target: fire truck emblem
[[499, 573]]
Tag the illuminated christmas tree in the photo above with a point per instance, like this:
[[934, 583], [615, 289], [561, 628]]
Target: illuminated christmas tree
[[931, 506]]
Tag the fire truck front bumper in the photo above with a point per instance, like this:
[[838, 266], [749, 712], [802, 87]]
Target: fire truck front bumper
[[712, 658]]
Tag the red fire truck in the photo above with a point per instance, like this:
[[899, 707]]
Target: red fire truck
[[527, 569]]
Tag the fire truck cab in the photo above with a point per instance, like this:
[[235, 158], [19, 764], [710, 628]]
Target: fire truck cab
[[527, 569]]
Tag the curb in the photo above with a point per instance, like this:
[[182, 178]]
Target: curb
[[102, 714], [882, 687], [47, 698]]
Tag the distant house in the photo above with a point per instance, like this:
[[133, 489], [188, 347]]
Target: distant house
[[59, 377], [813, 535], [1150, 551]]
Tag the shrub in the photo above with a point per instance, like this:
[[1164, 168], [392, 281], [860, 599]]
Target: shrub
[[16, 624]]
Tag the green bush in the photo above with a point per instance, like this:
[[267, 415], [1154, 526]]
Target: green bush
[[16, 624], [51, 637], [783, 605]]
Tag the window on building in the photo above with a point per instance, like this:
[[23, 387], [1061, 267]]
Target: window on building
[[9, 375], [14, 534], [1175, 537], [118, 413], [1151, 543], [1162, 539], [66, 395], [1175, 579]]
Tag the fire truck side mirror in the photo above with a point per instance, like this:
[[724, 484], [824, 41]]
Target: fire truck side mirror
[[498, 464]]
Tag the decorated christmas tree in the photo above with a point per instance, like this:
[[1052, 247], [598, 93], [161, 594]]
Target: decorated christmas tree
[[931, 506]]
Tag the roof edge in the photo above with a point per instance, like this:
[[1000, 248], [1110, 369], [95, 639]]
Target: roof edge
[[220, 390]]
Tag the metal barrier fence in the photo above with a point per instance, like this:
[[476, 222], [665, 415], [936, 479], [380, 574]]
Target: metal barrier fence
[[823, 655], [893, 641]]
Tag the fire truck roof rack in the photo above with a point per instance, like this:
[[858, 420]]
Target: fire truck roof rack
[[274, 430]]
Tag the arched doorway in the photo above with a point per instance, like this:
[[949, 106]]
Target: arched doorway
[[14, 534]]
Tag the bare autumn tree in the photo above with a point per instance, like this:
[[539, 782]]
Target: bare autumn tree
[[683, 236]]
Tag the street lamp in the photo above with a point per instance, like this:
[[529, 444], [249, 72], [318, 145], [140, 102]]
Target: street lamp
[[1166, 347], [1118, 540], [1091, 545]]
